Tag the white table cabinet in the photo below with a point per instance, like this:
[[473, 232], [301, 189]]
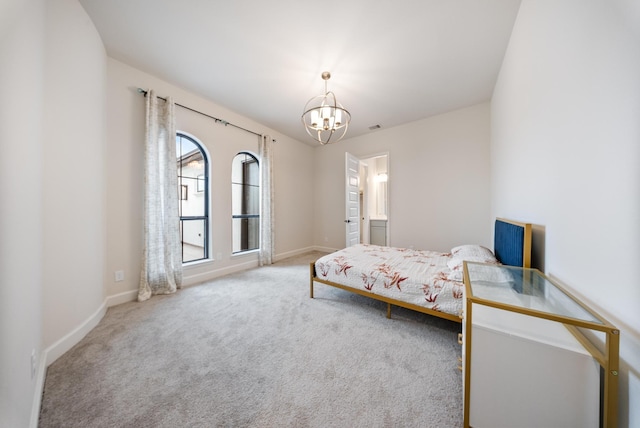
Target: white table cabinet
[[533, 355]]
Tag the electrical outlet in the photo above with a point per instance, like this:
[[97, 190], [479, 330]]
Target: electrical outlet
[[33, 363], [119, 275]]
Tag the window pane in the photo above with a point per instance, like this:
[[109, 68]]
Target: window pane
[[192, 202], [193, 190], [245, 208], [236, 198], [246, 234], [193, 233], [251, 202], [251, 172], [184, 146], [245, 199]]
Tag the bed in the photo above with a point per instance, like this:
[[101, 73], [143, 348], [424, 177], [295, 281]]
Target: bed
[[425, 281]]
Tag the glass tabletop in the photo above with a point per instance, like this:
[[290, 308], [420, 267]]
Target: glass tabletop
[[523, 288]]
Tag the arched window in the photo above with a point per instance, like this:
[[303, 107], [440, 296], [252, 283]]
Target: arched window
[[245, 203], [193, 188]]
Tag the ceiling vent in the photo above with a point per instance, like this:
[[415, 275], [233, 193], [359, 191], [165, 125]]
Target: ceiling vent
[[374, 127]]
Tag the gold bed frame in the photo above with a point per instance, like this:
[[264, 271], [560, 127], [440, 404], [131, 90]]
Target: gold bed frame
[[390, 301]]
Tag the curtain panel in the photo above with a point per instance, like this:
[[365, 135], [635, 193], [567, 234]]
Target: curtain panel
[[266, 201], [161, 271]]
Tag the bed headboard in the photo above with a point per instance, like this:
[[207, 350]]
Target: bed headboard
[[512, 242]]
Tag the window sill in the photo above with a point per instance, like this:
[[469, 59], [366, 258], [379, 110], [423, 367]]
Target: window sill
[[197, 262], [245, 253]]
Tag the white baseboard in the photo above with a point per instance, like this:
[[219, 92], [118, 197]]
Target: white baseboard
[[288, 254], [117, 299], [324, 249], [197, 278], [303, 251], [39, 389], [56, 350]]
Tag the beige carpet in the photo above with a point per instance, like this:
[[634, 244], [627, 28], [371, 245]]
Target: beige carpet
[[253, 350]]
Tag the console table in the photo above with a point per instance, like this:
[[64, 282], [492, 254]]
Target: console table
[[533, 354]]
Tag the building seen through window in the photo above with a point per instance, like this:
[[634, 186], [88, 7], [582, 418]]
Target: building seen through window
[[193, 188]]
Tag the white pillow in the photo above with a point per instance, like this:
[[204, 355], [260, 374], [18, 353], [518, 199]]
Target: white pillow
[[463, 251], [456, 263], [457, 267], [470, 253]]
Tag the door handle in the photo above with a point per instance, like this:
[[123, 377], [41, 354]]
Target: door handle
[[347, 221]]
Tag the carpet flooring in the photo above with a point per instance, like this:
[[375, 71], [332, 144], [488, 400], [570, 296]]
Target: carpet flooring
[[252, 349]]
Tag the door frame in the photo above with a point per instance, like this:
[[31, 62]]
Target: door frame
[[364, 162]]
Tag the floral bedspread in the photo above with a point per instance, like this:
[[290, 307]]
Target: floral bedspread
[[413, 276]]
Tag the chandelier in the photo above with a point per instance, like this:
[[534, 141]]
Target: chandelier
[[324, 118]]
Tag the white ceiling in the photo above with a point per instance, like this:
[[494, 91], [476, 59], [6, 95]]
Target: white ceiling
[[391, 61]]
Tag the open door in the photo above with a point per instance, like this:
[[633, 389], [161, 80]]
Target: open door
[[352, 204]]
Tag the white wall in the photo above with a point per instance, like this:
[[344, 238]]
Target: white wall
[[21, 113], [565, 154], [293, 175], [438, 184], [52, 71], [74, 234]]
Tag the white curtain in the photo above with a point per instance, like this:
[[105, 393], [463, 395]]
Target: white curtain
[[161, 271], [266, 200]]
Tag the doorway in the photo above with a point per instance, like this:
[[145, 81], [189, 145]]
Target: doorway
[[372, 202]]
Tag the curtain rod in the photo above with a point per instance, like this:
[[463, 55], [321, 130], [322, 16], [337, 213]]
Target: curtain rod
[[224, 122]]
